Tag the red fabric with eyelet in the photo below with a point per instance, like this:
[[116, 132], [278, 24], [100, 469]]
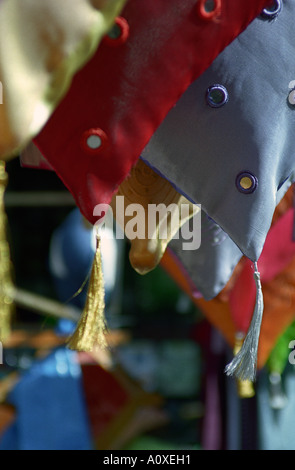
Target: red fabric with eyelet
[[123, 27], [209, 14], [127, 91], [91, 133]]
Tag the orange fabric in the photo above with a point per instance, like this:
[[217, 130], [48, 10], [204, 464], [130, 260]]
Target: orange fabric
[[279, 310]]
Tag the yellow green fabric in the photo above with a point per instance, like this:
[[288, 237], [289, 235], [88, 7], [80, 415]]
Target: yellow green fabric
[[42, 45]]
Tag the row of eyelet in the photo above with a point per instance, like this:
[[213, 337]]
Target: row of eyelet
[[94, 140], [211, 9], [217, 96]]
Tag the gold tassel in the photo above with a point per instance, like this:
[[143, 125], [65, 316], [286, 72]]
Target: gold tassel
[[6, 284], [245, 388], [91, 328]]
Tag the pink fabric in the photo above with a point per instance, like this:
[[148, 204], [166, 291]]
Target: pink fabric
[[278, 251]]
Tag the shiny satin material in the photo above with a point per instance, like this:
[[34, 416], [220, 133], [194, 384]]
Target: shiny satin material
[[127, 89], [42, 45], [202, 150]]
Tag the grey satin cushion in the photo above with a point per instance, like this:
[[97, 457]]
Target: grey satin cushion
[[209, 267], [201, 149]]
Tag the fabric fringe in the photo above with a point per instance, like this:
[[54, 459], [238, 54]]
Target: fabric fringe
[[91, 328], [244, 364], [6, 284]]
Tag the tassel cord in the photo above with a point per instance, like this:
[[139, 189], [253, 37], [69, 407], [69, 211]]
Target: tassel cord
[[91, 328], [243, 366]]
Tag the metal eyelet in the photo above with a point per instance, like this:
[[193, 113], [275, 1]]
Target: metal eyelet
[[118, 34], [270, 13], [246, 182], [93, 140], [291, 95], [291, 98], [209, 9], [216, 96]]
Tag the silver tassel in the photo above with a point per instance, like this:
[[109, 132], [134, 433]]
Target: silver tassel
[[243, 365]]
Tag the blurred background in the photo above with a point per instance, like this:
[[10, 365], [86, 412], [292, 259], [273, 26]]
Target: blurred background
[[160, 385]]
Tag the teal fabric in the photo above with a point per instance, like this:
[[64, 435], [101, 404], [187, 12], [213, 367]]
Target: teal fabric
[[201, 149]]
